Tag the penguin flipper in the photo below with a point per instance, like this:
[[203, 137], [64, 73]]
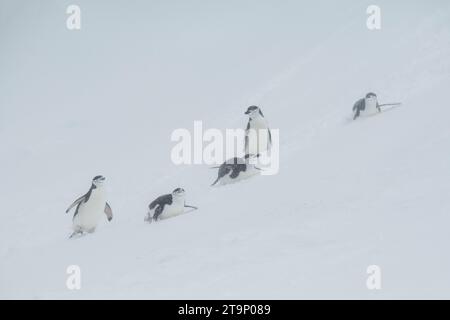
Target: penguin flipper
[[270, 139], [224, 169], [76, 202], [108, 212], [158, 212], [246, 140], [214, 183], [234, 174], [246, 146], [164, 199]]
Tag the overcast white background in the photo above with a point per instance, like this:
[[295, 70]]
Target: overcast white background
[[105, 100]]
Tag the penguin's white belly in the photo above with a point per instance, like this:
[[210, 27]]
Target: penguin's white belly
[[371, 107], [172, 210], [90, 213], [258, 137]]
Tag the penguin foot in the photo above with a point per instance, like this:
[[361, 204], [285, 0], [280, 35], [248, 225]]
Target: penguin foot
[[148, 218], [76, 233]]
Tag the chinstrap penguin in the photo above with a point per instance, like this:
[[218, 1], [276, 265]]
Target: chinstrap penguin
[[369, 105], [235, 169], [258, 138], [90, 208], [168, 205]]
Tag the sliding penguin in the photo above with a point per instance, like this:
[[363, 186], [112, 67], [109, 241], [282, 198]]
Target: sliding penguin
[[257, 134], [235, 169], [90, 208], [369, 105], [168, 205]]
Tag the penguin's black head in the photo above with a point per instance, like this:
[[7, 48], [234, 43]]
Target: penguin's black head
[[98, 180], [254, 110], [178, 192], [371, 95]]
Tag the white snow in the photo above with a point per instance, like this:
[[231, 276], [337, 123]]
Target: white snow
[[105, 99]]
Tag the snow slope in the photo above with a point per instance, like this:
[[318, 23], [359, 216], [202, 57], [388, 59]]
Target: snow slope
[[105, 99]]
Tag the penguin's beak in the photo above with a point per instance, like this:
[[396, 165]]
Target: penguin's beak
[[247, 112]]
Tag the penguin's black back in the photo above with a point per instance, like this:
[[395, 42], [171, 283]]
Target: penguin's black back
[[161, 201], [359, 105]]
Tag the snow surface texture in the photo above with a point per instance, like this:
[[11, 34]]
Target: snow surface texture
[[105, 100]]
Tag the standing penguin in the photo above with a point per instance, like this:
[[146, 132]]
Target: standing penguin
[[257, 134], [168, 205], [368, 104], [90, 208], [235, 169]]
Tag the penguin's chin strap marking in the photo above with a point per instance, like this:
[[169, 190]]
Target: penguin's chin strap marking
[[192, 207]]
